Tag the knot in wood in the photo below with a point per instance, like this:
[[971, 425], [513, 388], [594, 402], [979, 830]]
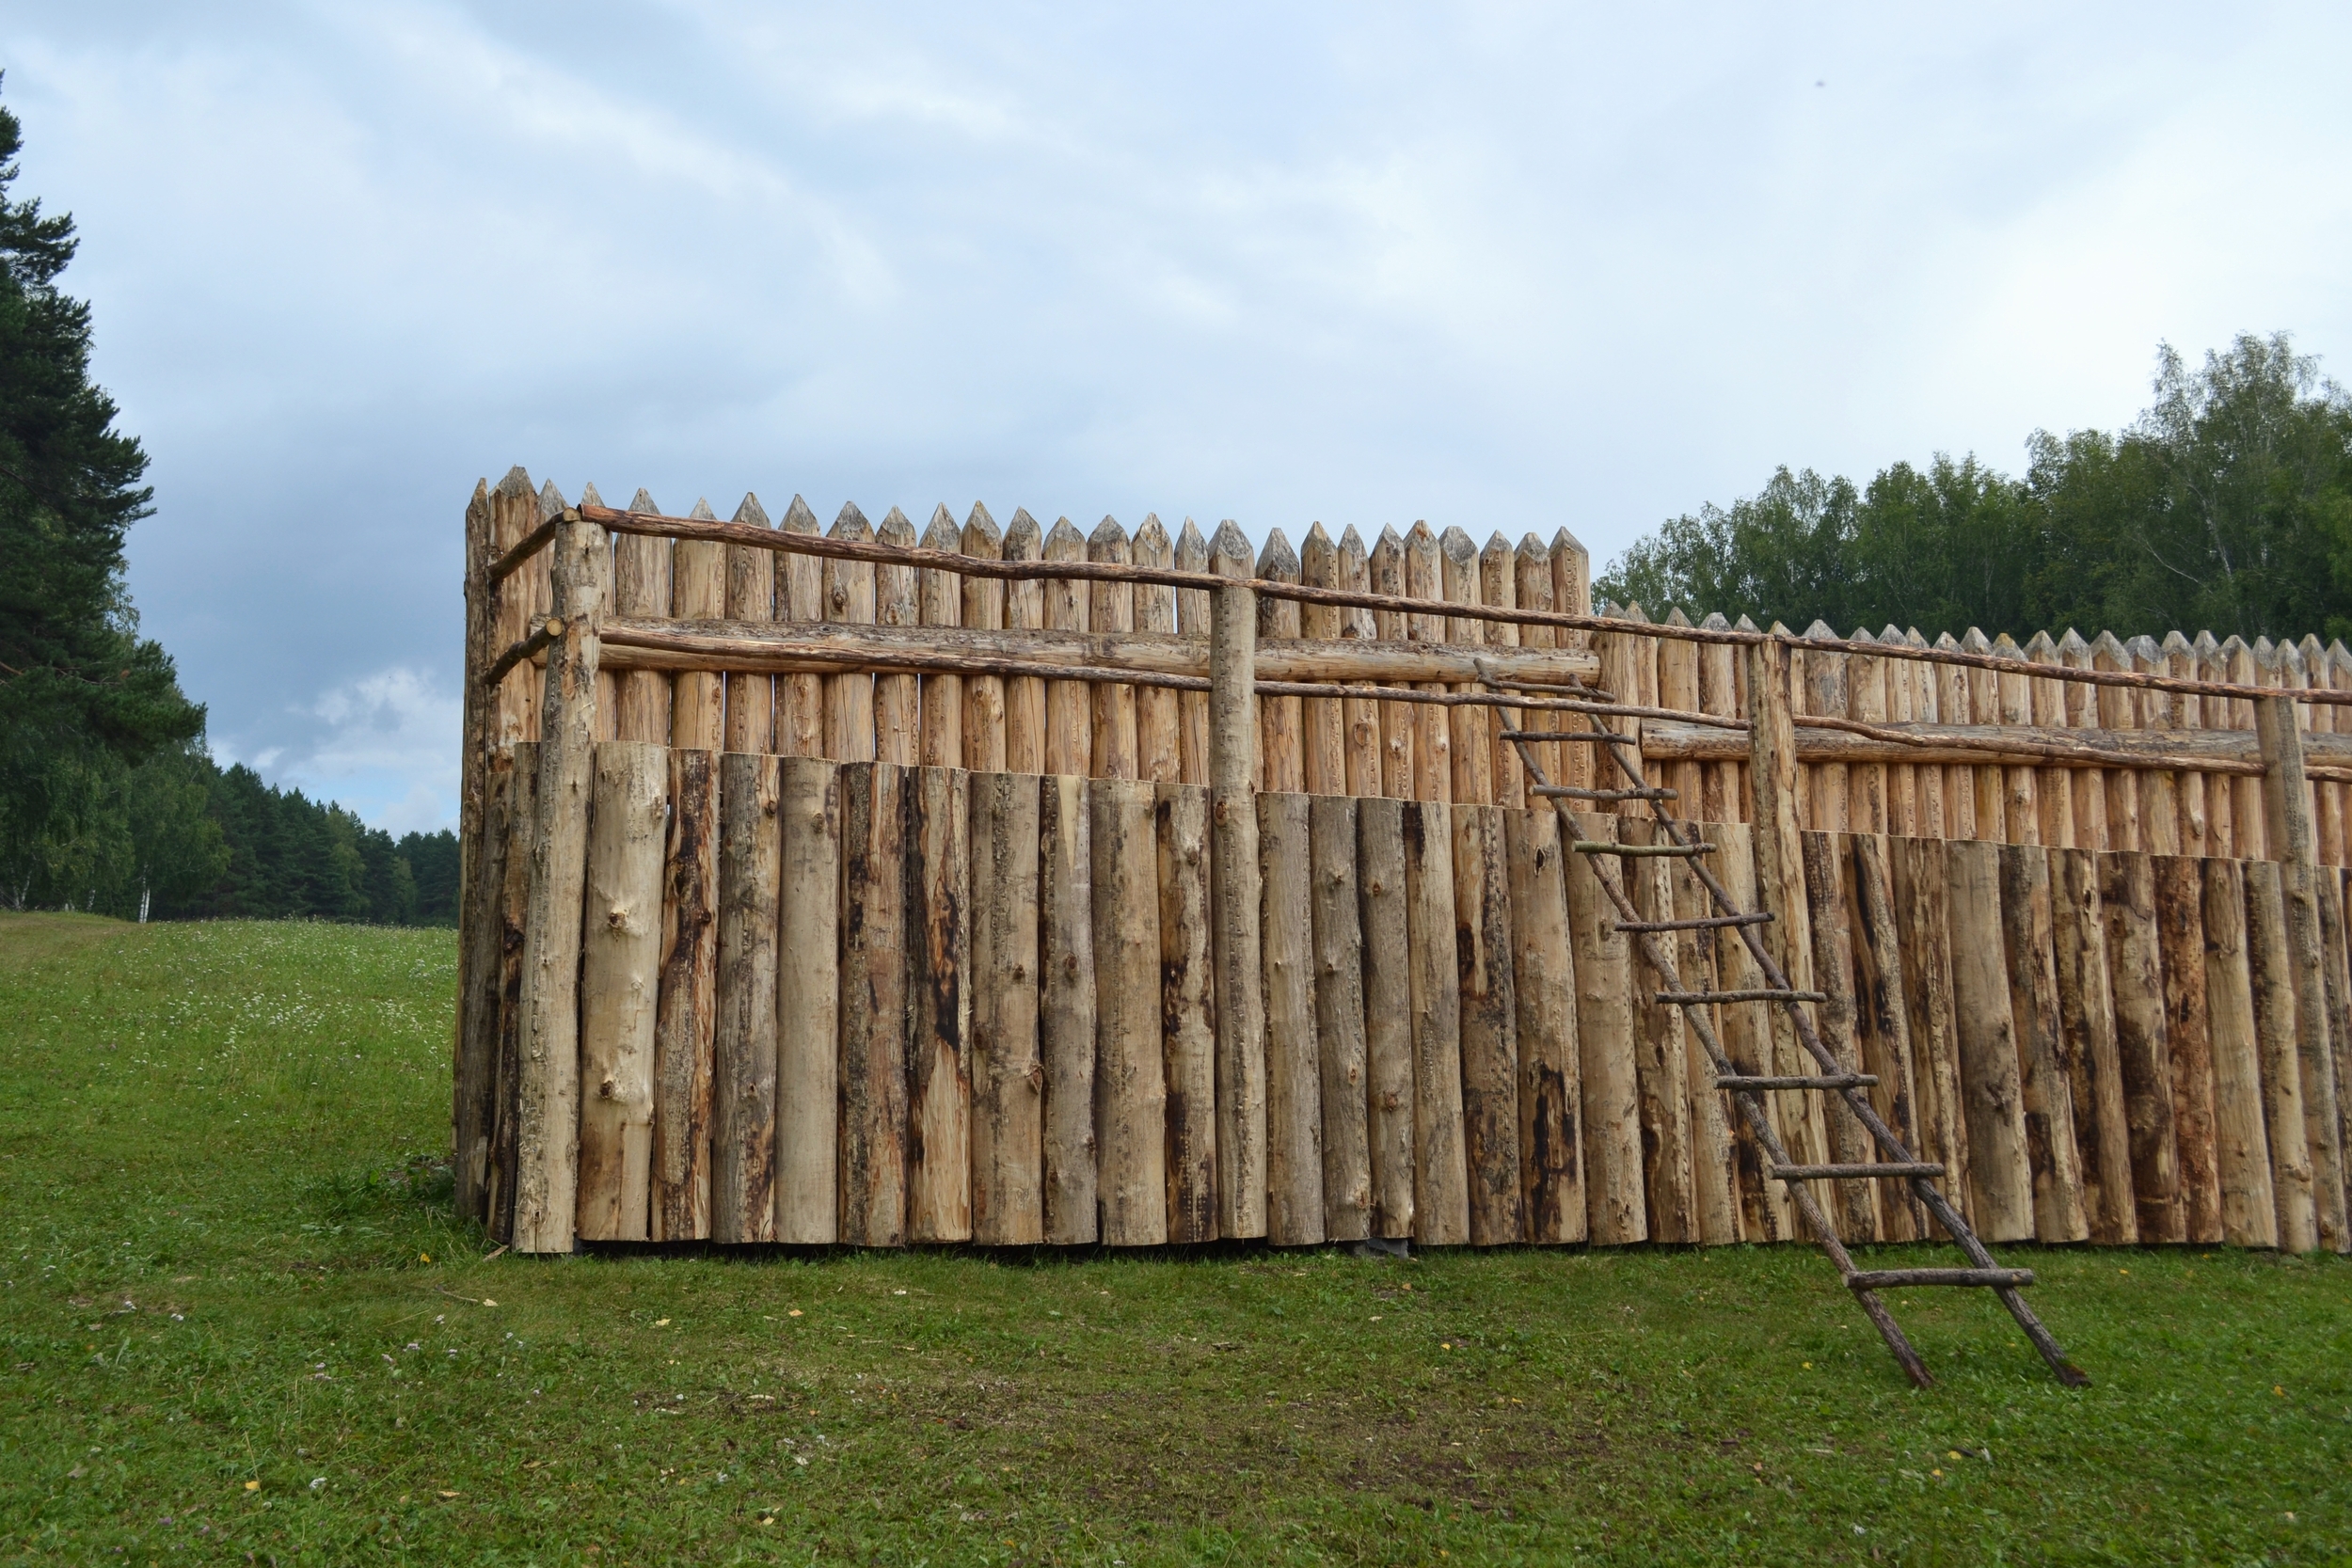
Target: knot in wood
[[840, 595], [606, 1090], [618, 917]]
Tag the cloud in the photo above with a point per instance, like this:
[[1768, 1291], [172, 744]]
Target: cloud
[[385, 745]]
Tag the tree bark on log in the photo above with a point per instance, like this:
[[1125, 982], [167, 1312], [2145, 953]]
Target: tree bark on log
[[939, 601], [2250, 1213], [2127, 893], [939, 927], [1187, 1009], [1067, 1014], [685, 1018], [873, 1169], [474, 1078], [1234, 891], [1551, 1110], [1999, 1174], [1923, 915], [1192, 624], [848, 599], [1661, 1057], [800, 599], [1883, 1015], [1008, 1076], [1130, 1087], [984, 609], [1441, 1175], [514, 914], [809, 1001], [1159, 712], [1747, 1038], [743, 1035], [2046, 1077], [1616, 1211], [1339, 1036], [897, 701], [1069, 728], [1387, 1012], [1025, 611], [1111, 613], [1714, 1178], [1293, 1089], [1856, 1202], [2271, 981], [2094, 1067], [2181, 938], [1490, 1047], [620, 969]]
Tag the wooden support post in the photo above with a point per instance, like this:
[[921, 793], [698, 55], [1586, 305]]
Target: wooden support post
[[1984, 702], [547, 1146], [984, 609], [1433, 738], [1780, 881], [1490, 1047], [639, 699], [2181, 938], [2095, 1072], [873, 1169], [1866, 783], [1130, 1087], [1292, 1083], [2053, 795], [1441, 1176], [2219, 713], [1187, 1009], [1282, 767], [1901, 679], [1882, 1017], [1824, 692], [850, 598], [1339, 1035], [1387, 1012], [750, 595], [1497, 584], [1068, 729], [1953, 705], [1111, 611], [1923, 914], [939, 946], [1715, 1187], [1007, 1077], [2046, 1080], [743, 1044], [808, 1001], [2127, 894], [482, 854], [1362, 715], [514, 913], [1192, 620], [2187, 713], [939, 602], [2000, 1176], [1385, 569], [1474, 752], [619, 980], [2287, 826], [2086, 785], [2250, 815], [2249, 1215], [1747, 1037], [1551, 1166], [1235, 889], [2160, 789], [1617, 1210], [1322, 722], [799, 582], [1857, 1201], [2021, 804], [897, 701], [2271, 980], [685, 1017], [698, 591], [1067, 1014], [1159, 714], [1532, 563], [1025, 611]]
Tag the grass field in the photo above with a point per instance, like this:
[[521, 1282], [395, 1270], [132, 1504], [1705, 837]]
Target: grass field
[[241, 1325]]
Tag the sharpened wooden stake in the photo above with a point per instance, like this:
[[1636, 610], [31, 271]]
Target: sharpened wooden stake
[[1293, 1090], [1187, 1009], [939, 949], [743, 1049], [1387, 1012], [1340, 1032], [808, 1001], [685, 1017], [1544, 985], [1235, 892], [1067, 1012], [1130, 1087], [1007, 1077]]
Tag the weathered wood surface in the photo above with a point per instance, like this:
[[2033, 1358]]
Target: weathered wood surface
[[1491, 1045], [1882, 1014], [898, 704], [620, 968], [1130, 1085], [1024, 611], [2094, 1068], [939, 951], [1714, 1177], [848, 600], [1385, 567], [1922, 914], [2249, 1215], [698, 588], [1294, 1088], [800, 600], [1387, 1013], [1159, 718], [1067, 1011], [1616, 1205], [2000, 1175], [1442, 1175], [1340, 1032], [484, 788], [1236, 894], [513, 918], [1069, 728], [685, 1015], [1187, 1009], [982, 609], [809, 1001], [1661, 1056], [1192, 624], [2336, 989], [1007, 1075], [2046, 1075], [2181, 938], [1780, 890], [2288, 827], [744, 1033], [873, 1072], [1550, 1109], [635, 704], [1857, 1203], [2127, 893], [750, 595], [1111, 613], [939, 599], [1747, 1039], [1282, 767], [2271, 984]]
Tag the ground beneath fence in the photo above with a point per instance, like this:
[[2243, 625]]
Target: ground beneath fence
[[231, 1261]]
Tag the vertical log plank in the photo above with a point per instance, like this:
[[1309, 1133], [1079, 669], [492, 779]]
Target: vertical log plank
[[1883, 1017], [983, 608], [1441, 1176], [1025, 611], [2220, 790], [1572, 595], [698, 591], [1340, 1032], [1433, 735], [1068, 729], [620, 966], [1473, 750], [1362, 715], [2271, 981], [2249, 1215], [2187, 713], [1489, 1014], [1159, 715], [1551, 1166], [1282, 767], [873, 1071], [2046, 1077], [1866, 783], [1388, 1011], [1322, 725], [1187, 1009], [1780, 883], [2288, 827], [2095, 1072], [743, 1032], [939, 946], [2087, 786], [898, 700], [1953, 705], [2053, 795], [1292, 1083], [1747, 1037], [2021, 805], [939, 602], [1066, 1025], [1111, 611], [1532, 562], [2127, 893], [481, 846], [640, 586], [849, 591], [1616, 1205], [750, 595], [685, 1016], [808, 1001], [1007, 1075], [1924, 917], [1856, 1202], [1235, 888], [514, 914], [799, 590], [2181, 938], [1398, 721], [1715, 1189], [2000, 1177], [1130, 1085], [1497, 584], [2250, 816], [1192, 620]]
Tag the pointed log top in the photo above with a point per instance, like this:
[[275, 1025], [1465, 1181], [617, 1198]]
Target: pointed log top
[[1315, 538], [1022, 540], [516, 482], [1063, 541], [2205, 646], [1107, 535], [1862, 634], [588, 496], [940, 533], [1821, 631], [1892, 633], [1192, 550], [2041, 648], [2312, 653], [1318, 558], [2338, 656], [1419, 537], [1913, 636], [1229, 541], [1533, 548], [1634, 612], [1744, 624], [2175, 644], [1780, 629], [481, 494], [1456, 545], [1389, 540], [1351, 545], [643, 502], [798, 519], [1278, 562], [978, 525], [1675, 618], [1610, 610], [1714, 622], [1974, 641], [850, 523], [702, 512], [551, 500], [2144, 646], [2072, 645], [896, 530], [2005, 646], [2233, 643], [1948, 642], [1153, 537], [749, 511], [2291, 659], [1563, 540], [2108, 645], [1498, 547]]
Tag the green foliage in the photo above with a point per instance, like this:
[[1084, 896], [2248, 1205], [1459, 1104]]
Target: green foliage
[[219, 1274], [2226, 506]]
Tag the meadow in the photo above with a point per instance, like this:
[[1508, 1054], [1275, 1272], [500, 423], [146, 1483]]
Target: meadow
[[240, 1323]]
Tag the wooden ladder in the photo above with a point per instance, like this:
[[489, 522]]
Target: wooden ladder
[[1681, 839]]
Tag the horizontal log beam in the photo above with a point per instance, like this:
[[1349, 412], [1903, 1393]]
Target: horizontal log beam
[[2025, 746], [793, 647]]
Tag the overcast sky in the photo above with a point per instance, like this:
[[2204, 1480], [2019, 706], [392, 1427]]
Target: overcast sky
[[1505, 267]]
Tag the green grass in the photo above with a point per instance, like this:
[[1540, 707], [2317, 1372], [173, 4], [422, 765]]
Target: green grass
[[220, 1185]]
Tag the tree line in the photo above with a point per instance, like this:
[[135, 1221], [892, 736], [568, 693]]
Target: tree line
[[109, 800], [2226, 506]]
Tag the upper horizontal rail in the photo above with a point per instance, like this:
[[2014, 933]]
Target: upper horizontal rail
[[754, 537]]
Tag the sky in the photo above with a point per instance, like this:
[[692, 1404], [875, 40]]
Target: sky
[[1510, 267]]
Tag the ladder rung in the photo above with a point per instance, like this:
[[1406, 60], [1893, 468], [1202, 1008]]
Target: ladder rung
[[1885, 1170], [1889, 1279], [1693, 998], [1839, 1081], [1599, 846], [1705, 922], [1592, 738], [1571, 792]]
